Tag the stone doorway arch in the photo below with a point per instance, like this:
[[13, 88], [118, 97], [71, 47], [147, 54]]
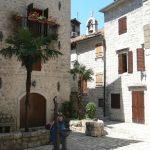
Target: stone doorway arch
[[36, 113]]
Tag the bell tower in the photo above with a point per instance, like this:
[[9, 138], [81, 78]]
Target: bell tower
[[92, 25]]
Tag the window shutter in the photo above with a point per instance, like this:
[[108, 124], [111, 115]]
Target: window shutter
[[29, 8], [99, 79], [140, 59], [37, 66], [99, 50], [45, 25], [130, 62], [46, 13], [122, 25], [84, 87], [120, 64]]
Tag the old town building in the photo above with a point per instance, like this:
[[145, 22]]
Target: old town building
[[48, 80], [127, 74], [88, 50]]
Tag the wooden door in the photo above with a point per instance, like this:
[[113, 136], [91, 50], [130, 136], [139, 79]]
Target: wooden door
[[138, 106], [36, 113]]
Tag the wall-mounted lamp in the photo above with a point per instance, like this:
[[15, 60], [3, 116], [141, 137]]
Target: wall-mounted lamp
[[33, 83]]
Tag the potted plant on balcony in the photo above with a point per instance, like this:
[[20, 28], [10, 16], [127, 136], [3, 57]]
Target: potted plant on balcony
[[42, 19], [17, 17], [51, 21], [33, 16]]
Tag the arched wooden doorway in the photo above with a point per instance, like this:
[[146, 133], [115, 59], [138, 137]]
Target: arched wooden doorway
[[36, 113]]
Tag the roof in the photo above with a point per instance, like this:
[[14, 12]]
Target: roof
[[85, 37], [112, 5], [75, 21]]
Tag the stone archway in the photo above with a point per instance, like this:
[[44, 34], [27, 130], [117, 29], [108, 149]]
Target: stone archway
[[37, 111]]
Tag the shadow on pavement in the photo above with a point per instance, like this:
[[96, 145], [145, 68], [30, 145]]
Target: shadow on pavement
[[78, 141]]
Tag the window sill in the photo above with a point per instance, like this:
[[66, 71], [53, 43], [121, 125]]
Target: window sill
[[98, 57], [122, 33], [97, 86]]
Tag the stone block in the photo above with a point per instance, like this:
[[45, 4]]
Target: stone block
[[94, 128]]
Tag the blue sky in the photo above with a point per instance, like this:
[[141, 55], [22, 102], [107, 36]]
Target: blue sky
[[84, 7]]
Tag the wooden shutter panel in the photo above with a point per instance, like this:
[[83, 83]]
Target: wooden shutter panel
[[99, 50], [30, 8], [84, 87], [130, 62], [120, 26], [45, 25], [140, 59], [124, 24], [99, 80], [120, 63], [46, 13], [37, 66]]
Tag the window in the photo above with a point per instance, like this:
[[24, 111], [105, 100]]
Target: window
[[122, 25], [100, 102], [125, 62], [99, 79], [115, 101], [37, 66], [99, 50], [140, 59], [84, 87]]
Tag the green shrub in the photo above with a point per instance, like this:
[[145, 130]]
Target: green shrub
[[90, 110]]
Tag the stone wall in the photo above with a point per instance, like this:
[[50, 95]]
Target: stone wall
[[133, 39], [13, 75], [20, 141], [85, 53], [146, 6]]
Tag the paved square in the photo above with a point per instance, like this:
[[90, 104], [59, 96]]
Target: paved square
[[120, 136]]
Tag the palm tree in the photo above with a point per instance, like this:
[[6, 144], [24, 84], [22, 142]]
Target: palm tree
[[81, 72], [29, 49]]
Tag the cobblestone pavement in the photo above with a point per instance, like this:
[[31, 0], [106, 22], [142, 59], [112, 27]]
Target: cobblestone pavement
[[120, 136]]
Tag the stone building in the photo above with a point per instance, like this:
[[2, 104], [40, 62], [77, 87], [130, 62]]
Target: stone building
[[88, 50], [51, 79], [126, 71], [75, 28]]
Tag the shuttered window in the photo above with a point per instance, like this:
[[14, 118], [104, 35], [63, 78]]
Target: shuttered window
[[125, 62], [37, 66], [115, 101], [122, 25], [99, 79], [84, 87], [99, 50], [140, 59]]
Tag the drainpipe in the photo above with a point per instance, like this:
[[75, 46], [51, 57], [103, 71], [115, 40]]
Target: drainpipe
[[104, 96]]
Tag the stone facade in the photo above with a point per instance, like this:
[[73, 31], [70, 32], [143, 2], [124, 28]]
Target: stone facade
[[13, 76], [137, 13], [20, 141], [85, 53]]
